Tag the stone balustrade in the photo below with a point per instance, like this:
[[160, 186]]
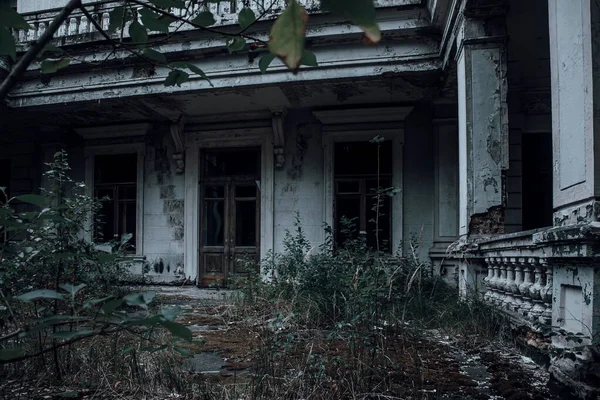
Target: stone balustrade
[[521, 285], [224, 12]]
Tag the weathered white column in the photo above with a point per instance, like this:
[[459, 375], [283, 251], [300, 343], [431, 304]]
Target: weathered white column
[[483, 122], [575, 71]]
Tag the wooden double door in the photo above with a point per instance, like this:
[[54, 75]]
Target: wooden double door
[[229, 215]]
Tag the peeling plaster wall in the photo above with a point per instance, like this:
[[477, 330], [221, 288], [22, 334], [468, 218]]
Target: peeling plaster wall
[[418, 179], [163, 207], [299, 184]]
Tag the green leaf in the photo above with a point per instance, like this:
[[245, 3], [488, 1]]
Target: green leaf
[[198, 71], [151, 349], [150, 321], [9, 354], [287, 34], [7, 44], [127, 350], [177, 77], [170, 313], [309, 58], [168, 3], [72, 289], [107, 257], [183, 352], [265, 61], [154, 21], [246, 17], [50, 48], [138, 32], [139, 299], [360, 12], [40, 294], [66, 335], [178, 330], [48, 66], [110, 306], [118, 17], [155, 55], [9, 18], [236, 44], [204, 19], [35, 199], [93, 302]]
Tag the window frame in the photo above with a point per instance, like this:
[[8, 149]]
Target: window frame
[[139, 149], [396, 136]]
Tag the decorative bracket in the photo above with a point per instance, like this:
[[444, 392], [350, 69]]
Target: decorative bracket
[[278, 136], [177, 132]]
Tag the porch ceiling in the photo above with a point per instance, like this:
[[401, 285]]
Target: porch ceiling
[[252, 99]]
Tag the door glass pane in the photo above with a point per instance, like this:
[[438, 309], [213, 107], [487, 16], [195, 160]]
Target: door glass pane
[[245, 223], [214, 221]]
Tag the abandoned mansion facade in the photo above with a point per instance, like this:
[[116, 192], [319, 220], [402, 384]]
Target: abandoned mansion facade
[[488, 111]]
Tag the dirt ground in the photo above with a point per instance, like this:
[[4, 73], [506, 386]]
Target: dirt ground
[[433, 366]]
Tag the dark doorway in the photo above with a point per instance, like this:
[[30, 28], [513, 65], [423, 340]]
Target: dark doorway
[[537, 180]]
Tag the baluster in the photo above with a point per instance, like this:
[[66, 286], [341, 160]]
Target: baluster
[[546, 293], [62, 30], [41, 29], [486, 281], [527, 283], [225, 7], [534, 291], [73, 26], [518, 263], [22, 36], [510, 279], [105, 21], [32, 33], [501, 283], [83, 25], [492, 282]]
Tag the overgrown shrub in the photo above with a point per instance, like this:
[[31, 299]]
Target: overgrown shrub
[[61, 297]]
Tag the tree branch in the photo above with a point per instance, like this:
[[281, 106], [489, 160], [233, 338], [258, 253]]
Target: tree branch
[[26, 60]]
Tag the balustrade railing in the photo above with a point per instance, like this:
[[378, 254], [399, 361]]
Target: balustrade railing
[[224, 12], [522, 285]]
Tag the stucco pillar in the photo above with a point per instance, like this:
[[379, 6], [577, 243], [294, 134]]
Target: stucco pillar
[[575, 71], [482, 121]]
